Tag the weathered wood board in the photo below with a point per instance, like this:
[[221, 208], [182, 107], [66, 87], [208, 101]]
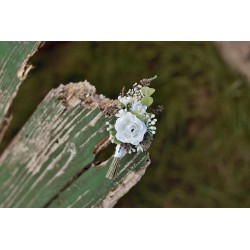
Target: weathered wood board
[[49, 163], [14, 67]]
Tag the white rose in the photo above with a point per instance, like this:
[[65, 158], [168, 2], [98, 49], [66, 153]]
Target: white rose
[[139, 108], [130, 129]]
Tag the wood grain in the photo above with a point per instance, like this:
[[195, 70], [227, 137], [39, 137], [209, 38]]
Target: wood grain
[[49, 163], [14, 67]]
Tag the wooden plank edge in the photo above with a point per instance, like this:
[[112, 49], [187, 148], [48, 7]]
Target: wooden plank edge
[[21, 74], [123, 187]]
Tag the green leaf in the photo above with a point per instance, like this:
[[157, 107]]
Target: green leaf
[[147, 91], [117, 141], [138, 115], [147, 100]]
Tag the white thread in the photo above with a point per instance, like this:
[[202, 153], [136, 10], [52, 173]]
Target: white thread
[[119, 151]]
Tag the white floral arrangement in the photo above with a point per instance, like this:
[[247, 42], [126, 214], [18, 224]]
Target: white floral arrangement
[[134, 128]]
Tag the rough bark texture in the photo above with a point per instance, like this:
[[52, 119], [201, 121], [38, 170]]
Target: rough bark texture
[[14, 67], [50, 161], [237, 55]]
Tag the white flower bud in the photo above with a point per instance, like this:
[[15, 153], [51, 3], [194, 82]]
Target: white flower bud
[[139, 148], [121, 113], [124, 100], [139, 108]]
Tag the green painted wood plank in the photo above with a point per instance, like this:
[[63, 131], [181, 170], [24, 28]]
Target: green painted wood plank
[[14, 68], [92, 189], [55, 145]]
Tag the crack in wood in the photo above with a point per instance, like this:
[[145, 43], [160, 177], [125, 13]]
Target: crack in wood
[[69, 183], [100, 147], [4, 124]]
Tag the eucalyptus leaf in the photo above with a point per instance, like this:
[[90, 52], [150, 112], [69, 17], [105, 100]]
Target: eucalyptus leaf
[[138, 115], [147, 100], [146, 91]]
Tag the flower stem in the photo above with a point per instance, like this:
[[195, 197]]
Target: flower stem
[[113, 167]]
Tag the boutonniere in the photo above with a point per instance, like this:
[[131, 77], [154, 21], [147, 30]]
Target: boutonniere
[[135, 123]]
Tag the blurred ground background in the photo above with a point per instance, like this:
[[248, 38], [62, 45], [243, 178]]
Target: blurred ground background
[[200, 155]]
